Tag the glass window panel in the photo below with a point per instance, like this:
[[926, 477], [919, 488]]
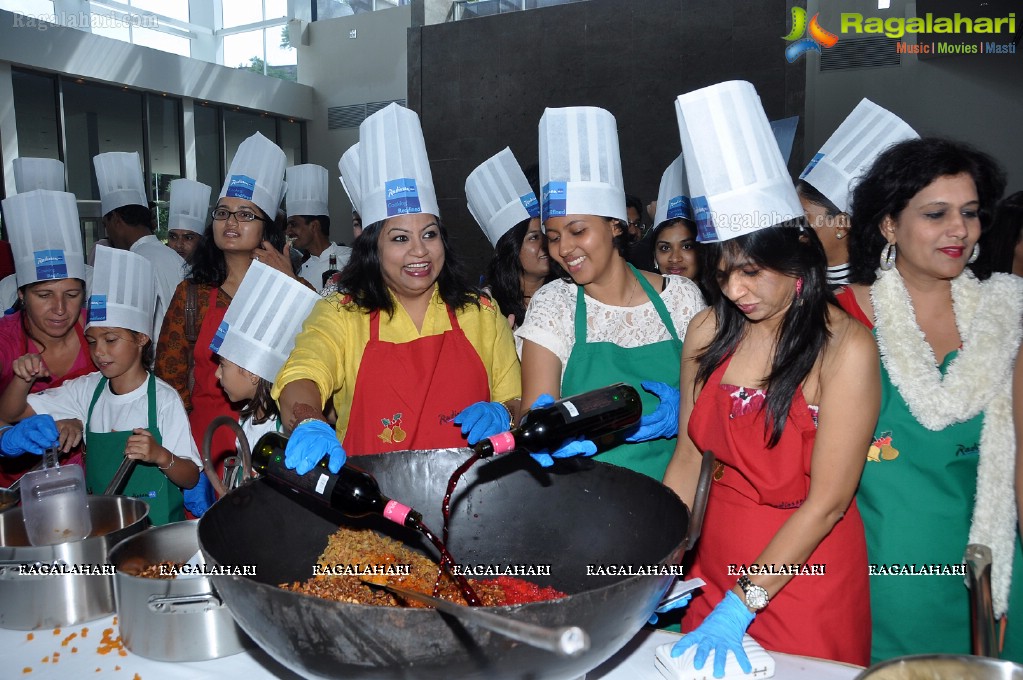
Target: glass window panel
[[280, 56], [98, 119], [244, 50], [164, 42], [106, 23], [276, 8], [35, 114], [240, 125], [164, 143], [241, 12], [175, 9], [41, 9], [207, 146], [291, 141]]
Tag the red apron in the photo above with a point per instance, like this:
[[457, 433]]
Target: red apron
[[755, 490], [406, 394], [208, 399], [13, 468]]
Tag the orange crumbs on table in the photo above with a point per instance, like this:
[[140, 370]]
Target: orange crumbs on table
[[26, 670], [46, 659], [56, 631], [68, 639], [74, 650], [85, 632], [30, 636]]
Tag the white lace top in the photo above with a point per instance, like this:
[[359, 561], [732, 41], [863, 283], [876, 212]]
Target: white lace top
[[550, 318]]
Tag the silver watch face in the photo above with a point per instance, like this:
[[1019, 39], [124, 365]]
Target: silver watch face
[[756, 597]]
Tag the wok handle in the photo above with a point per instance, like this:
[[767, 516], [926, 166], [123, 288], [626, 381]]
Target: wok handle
[[120, 478], [207, 444], [982, 616], [700, 500], [565, 641]]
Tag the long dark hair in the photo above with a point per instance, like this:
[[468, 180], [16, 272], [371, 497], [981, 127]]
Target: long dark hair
[[997, 244], [899, 174], [811, 194], [621, 243], [208, 264], [362, 279], [504, 272], [261, 407], [803, 333]]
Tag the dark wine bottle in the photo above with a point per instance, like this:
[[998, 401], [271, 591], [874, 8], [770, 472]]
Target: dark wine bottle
[[331, 268], [351, 491], [595, 414]]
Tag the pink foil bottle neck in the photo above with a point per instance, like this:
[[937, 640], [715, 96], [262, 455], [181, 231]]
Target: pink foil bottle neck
[[396, 512], [503, 443]]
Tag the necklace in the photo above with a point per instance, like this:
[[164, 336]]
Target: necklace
[[632, 291]]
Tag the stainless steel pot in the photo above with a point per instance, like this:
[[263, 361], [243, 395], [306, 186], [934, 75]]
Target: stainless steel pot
[[943, 667], [180, 619], [36, 588]]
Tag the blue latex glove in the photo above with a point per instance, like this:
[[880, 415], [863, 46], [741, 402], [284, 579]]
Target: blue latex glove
[[483, 419], [34, 434], [663, 422], [721, 632], [677, 604], [200, 497], [309, 443], [579, 446]]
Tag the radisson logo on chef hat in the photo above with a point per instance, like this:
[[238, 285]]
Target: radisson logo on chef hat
[[555, 200], [50, 264], [530, 203], [680, 207], [402, 197], [218, 337], [241, 186], [97, 308]]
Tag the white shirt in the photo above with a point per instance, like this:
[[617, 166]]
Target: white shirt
[[253, 431], [120, 412], [550, 318], [168, 272], [313, 268]]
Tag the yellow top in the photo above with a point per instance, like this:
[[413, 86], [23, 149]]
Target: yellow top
[[329, 349]]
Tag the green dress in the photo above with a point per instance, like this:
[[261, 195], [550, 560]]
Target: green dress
[[916, 497]]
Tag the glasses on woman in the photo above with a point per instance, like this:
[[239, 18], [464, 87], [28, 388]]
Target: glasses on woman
[[221, 214]]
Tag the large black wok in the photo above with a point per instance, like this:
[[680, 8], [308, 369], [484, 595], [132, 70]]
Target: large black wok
[[507, 511]]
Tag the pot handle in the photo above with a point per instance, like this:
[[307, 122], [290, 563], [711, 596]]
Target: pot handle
[[184, 604], [700, 500], [982, 617]]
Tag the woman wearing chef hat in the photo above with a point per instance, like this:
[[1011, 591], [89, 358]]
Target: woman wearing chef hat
[[242, 230], [826, 184], [673, 238], [768, 374], [50, 265], [507, 210], [407, 351], [938, 473], [603, 321]]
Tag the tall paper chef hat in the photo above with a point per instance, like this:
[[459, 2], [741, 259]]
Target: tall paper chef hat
[[851, 149], [307, 189], [673, 194], [580, 166], [119, 176], [189, 205], [258, 331], [499, 195], [38, 173], [257, 174], [737, 177], [396, 177], [123, 291], [46, 236], [350, 177]]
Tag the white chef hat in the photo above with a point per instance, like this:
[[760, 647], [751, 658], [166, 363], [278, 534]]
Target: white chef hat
[[580, 166], [119, 177], [307, 189], [673, 194], [499, 195], [46, 236], [350, 177], [394, 168], [851, 149], [258, 331], [189, 205], [38, 173], [737, 177], [123, 293], [257, 174]]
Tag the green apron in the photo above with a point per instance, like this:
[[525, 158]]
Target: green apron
[[916, 497], [105, 451], [597, 364]]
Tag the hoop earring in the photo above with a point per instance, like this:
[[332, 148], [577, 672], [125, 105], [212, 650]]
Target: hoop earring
[[888, 257], [975, 254]]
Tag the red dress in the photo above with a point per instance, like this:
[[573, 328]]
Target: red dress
[[755, 490]]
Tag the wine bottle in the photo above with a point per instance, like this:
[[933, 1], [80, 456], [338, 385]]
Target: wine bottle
[[351, 491], [331, 268], [595, 414]]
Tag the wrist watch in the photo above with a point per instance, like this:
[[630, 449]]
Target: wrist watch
[[756, 596]]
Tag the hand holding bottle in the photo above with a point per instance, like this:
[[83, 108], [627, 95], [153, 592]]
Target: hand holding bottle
[[483, 419], [663, 422], [34, 434], [721, 632], [309, 443], [576, 446]]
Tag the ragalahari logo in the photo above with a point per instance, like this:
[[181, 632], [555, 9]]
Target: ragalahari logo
[[818, 36]]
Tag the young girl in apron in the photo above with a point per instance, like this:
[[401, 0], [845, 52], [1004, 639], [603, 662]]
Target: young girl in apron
[[127, 412]]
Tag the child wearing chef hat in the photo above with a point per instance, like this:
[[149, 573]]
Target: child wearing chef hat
[[126, 411], [774, 365]]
